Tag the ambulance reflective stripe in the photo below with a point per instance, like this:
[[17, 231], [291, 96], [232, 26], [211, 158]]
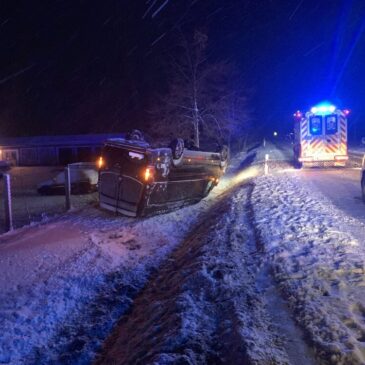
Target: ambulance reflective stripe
[[304, 128], [325, 143], [304, 148], [332, 145], [343, 135], [316, 147], [316, 143], [303, 136]]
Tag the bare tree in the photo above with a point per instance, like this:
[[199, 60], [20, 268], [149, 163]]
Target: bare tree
[[201, 101]]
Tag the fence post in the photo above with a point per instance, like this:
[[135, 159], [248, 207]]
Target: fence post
[[7, 203], [266, 164], [68, 187]]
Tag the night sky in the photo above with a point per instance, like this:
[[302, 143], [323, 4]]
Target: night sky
[[96, 66]]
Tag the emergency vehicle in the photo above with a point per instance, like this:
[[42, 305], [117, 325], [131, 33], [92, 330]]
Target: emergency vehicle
[[320, 137]]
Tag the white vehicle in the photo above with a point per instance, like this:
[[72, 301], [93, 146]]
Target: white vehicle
[[320, 136], [84, 180]]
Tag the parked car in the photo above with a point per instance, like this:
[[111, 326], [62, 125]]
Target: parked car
[[83, 176], [363, 179], [137, 179]]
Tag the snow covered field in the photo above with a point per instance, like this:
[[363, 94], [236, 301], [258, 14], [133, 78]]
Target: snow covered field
[[266, 270]]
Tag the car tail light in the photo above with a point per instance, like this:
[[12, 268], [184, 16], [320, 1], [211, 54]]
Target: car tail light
[[100, 162], [149, 173], [214, 180]]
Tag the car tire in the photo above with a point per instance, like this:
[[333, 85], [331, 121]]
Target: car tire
[[177, 149], [136, 135]]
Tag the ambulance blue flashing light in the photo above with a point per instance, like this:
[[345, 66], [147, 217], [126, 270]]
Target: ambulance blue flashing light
[[323, 108]]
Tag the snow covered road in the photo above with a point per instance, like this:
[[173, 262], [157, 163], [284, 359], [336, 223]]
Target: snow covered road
[[317, 255], [341, 186], [266, 270]]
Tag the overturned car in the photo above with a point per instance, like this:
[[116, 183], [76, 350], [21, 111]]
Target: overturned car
[[137, 179]]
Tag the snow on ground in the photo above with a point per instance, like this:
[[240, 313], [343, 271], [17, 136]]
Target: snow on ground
[[197, 285], [64, 284], [317, 256], [53, 273], [207, 304]]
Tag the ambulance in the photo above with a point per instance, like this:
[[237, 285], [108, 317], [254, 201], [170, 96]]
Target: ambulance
[[320, 137]]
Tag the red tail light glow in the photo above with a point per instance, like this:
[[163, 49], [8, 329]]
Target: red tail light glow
[[100, 162], [148, 174]]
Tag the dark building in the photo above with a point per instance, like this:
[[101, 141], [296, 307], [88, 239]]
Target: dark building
[[52, 150]]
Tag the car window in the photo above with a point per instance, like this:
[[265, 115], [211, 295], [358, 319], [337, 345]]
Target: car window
[[115, 156]]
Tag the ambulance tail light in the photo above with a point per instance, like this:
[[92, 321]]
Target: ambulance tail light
[[298, 115]]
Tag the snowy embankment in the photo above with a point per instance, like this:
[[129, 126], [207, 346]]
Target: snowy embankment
[[207, 304], [317, 257], [64, 284]]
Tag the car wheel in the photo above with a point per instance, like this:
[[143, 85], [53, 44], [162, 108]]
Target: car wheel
[[177, 148], [136, 135]]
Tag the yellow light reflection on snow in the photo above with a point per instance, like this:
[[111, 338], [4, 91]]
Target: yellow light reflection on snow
[[244, 175], [229, 182]]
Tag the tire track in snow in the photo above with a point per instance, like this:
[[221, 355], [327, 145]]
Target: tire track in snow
[[211, 303], [294, 342]]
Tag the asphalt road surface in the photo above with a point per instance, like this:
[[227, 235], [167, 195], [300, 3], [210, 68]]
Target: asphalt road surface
[[340, 185]]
